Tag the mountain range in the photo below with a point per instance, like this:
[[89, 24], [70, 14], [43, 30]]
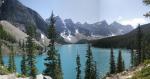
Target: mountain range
[[73, 32], [21, 17]]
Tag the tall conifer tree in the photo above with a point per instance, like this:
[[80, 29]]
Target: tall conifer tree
[[132, 58], [112, 62], [95, 71], [60, 68], [139, 45], [52, 63], [90, 65], [1, 56], [78, 67], [11, 62], [24, 61], [120, 63], [31, 58], [24, 65]]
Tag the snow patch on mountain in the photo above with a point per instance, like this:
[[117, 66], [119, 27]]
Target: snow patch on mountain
[[44, 39], [76, 31], [68, 38]]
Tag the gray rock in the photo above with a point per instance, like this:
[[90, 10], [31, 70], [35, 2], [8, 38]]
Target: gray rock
[[17, 13]]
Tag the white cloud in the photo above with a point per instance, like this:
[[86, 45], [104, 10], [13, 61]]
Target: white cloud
[[134, 22]]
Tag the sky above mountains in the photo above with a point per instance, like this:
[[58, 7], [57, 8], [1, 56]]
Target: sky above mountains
[[123, 11]]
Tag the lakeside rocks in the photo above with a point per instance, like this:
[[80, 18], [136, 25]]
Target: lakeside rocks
[[126, 74], [13, 76]]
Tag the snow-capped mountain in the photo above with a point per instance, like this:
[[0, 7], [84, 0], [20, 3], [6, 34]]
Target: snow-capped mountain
[[74, 32], [21, 16]]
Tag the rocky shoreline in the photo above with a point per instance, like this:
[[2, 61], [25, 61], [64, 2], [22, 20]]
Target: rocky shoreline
[[13, 76], [128, 74]]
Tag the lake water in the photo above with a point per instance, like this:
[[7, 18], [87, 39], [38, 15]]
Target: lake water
[[68, 59]]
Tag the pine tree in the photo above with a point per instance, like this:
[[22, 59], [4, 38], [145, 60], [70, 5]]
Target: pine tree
[[23, 46], [146, 50], [139, 45], [60, 68], [31, 58], [24, 65], [90, 66], [11, 62], [52, 34], [147, 2], [1, 56], [112, 62], [132, 58], [24, 61], [78, 67], [20, 43], [95, 71], [52, 60], [123, 65], [120, 63]]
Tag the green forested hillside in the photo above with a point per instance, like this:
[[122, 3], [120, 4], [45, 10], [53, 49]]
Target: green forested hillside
[[124, 41]]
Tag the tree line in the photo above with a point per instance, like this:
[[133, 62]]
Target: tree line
[[139, 54]]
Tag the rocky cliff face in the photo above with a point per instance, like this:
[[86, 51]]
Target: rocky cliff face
[[19, 35], [118, 29], [20, 15], [73, 32], [101, 28]]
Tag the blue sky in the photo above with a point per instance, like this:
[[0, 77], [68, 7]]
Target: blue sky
[[122, 11]]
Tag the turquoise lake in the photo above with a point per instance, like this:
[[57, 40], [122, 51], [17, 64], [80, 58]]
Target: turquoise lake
[[68, 59]]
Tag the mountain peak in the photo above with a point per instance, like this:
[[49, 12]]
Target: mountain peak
[[85, 23], [68, 20], [57, 17], [18, 14], [115, 23], [102, 23]]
